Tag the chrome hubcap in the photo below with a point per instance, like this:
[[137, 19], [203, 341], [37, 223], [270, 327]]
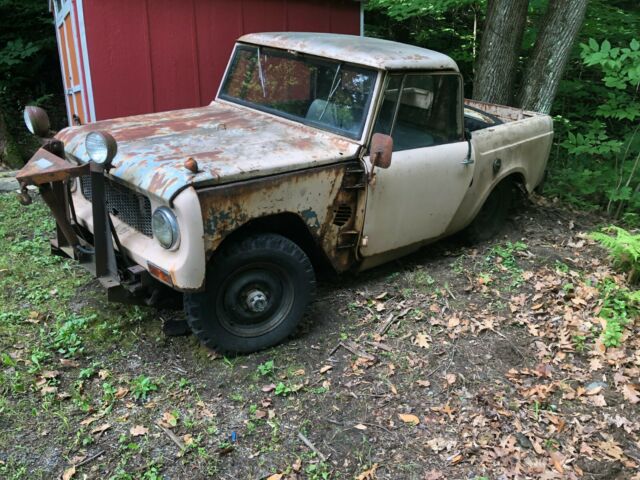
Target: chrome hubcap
[[257, 301]]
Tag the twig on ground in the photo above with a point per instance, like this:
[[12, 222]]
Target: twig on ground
[[380, 346], [446, 287], [391, 319], [90, 459], [311, 446], [353, 348], [174, 438]]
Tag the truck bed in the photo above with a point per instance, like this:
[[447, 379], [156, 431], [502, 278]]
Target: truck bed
[[479, 115]]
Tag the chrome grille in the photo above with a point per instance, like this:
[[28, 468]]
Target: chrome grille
[[127, 205]]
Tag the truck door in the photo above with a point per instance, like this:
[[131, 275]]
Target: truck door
[[416, 197]]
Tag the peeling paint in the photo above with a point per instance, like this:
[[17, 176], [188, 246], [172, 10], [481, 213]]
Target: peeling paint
[[229, 143]]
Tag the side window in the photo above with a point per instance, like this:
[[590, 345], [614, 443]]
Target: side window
[[387, 112], [427, 114]]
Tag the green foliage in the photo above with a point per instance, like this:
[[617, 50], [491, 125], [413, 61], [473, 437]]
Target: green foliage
[[266, 368], [596, 162], [624, 248], [283, 390], [406, 9], [442, 25], [142, 386], [29, 67], [619, 307]]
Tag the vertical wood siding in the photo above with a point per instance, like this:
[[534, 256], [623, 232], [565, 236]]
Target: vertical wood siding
[[157, 55]]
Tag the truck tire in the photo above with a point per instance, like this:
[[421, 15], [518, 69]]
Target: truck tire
[[492, 216], [256, 293]]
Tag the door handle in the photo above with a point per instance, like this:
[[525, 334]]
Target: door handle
[[467, 161]]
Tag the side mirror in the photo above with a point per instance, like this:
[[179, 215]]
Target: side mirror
[[381, 150], [37, 121]]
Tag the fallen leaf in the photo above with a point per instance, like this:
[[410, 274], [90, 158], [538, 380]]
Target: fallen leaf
[[434, 475], [421, 340], [611, 449], [67, 362], [451, 378], [630, 393], [188, 439], [69, 473], [594, 390], [299, 372], [138, 431], [558, 459], [260, 414], [48, 389], [360, 426], [269, 388], [122, 392], [597, 400], [369, 474], [101, 429], [408, 418], [275, 476], [326, 368], [88, 420], [169, 420], [50, 374], [453, 322], [423, 383], [77, 459], [439, 444]]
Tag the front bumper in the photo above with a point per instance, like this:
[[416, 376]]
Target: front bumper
[[132, 266]]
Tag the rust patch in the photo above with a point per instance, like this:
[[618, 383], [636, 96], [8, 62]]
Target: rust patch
[[228, 142], [313, 195]]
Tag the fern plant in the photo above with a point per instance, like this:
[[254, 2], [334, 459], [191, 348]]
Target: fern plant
[[624, 248]]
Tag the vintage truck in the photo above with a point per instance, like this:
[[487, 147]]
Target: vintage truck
[[320, 150]]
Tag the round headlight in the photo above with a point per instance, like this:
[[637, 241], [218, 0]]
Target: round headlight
[[165, 227], [37, 121], [101, 147]]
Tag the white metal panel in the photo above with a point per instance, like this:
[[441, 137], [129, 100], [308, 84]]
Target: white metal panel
[[415, 199]]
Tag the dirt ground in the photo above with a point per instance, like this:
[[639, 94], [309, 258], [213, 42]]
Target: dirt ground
[[483, 362]]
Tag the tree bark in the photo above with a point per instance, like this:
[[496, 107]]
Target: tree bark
[[560, 27], [499, 49]]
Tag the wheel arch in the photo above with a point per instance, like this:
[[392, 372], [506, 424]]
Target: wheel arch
[[288, 224]]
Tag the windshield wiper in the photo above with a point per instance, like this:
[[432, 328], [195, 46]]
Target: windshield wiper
[[335, 83], [261, 73]]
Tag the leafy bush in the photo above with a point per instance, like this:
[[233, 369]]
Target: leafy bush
[[600, 140], [624, 248]]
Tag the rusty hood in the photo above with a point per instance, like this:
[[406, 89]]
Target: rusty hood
[[229, 143]]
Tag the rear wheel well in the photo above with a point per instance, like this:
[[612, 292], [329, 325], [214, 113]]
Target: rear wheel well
[[288, 225], [518, 181]]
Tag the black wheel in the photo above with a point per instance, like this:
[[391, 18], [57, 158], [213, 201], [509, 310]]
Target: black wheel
[[493, 214], [256, 293]]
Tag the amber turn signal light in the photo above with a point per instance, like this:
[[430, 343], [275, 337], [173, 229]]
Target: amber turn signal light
[[160, 274]]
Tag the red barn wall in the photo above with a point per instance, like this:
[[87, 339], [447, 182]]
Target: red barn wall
[[156, 55]]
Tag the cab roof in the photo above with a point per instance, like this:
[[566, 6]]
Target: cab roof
[[372, 52]]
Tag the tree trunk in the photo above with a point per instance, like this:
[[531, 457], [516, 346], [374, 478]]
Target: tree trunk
[[9, 152], [560, 27], [499, 49]]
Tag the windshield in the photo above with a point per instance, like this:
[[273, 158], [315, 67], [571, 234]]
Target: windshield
[[327, 94]]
